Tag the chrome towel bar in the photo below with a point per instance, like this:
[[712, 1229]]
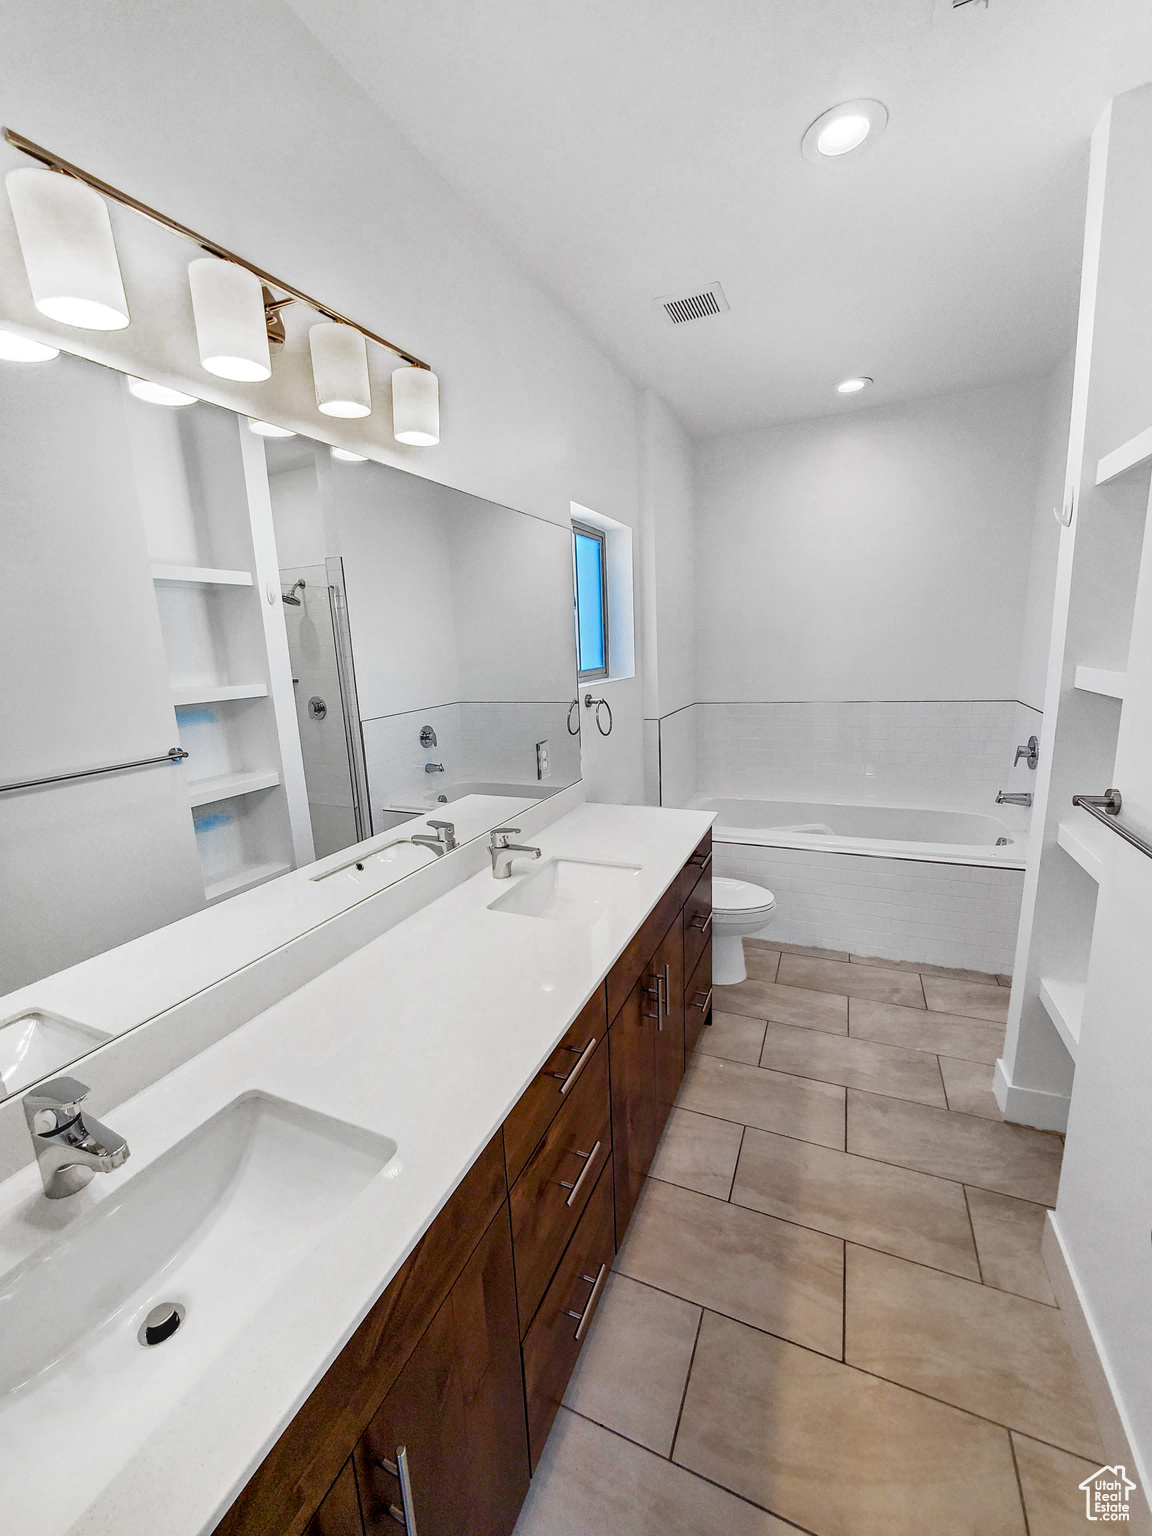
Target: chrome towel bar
[[1106, 808], [173, 755]]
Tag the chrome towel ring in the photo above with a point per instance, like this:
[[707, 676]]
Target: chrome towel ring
[[589, 702], [575, 705]]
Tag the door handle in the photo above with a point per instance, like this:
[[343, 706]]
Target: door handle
[[574, 1189], [567, 1081], [406, 1514], [702, 925], [584, 1317], [706, 1004]]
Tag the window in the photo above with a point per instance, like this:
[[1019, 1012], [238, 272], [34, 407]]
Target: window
[[591, 577]]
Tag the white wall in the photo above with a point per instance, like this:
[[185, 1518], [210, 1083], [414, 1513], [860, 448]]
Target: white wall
[[1037, 627], [883, 554], [235, 121]]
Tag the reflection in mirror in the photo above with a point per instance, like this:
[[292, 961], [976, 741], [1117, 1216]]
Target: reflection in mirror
[[337, 646]]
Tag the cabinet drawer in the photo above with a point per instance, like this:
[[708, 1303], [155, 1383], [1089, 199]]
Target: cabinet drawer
[[697, 1002], [550, 1089], [699, 862], [559, 1177], [697, 921], [558, 1330]]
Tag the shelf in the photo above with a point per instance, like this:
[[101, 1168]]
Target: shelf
[[1064, 1003], [1099, 680], [200, 576], [217, 693], [1138, 450], [205, 791], [238, 880], [1080, 840]]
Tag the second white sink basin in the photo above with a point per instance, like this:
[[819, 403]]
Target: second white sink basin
[[568, 891], [36, 1044], [212, 1226]]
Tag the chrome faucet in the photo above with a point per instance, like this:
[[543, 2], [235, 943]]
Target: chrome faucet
[[1030, 752], [1004, 798], [433, 767], [443, 842], [69, 1149], [503, 852]]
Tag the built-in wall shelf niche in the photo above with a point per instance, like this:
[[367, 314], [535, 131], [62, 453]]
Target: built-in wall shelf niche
[[227, 785], [1136, 451], [1064, 1003], [217, 693], [1100, 680], [1083, 840], [199, 576], [203, 488]]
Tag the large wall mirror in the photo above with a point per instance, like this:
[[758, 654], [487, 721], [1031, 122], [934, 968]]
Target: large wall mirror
[[338, 647]]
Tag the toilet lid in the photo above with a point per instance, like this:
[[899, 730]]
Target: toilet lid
[[740, 896]]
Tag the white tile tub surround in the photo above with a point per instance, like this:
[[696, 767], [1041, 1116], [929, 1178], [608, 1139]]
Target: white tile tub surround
[[900, 909], [955, 753]]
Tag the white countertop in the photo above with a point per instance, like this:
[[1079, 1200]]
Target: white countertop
[[428, 1035]]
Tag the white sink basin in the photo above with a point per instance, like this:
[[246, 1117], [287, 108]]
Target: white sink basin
[[568, 891], [214, 1225], [36, 1044]]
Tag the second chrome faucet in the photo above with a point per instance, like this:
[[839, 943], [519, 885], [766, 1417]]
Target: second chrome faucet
[[503, 852]]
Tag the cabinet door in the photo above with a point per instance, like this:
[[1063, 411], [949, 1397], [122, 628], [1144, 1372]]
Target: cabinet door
[[632, 1058], [447, 1453], [339, 1514], [667, 969]]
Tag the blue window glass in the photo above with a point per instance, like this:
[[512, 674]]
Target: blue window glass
[[591, 618]]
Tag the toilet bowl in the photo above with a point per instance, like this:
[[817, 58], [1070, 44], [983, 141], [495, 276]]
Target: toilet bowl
[[739, 909]]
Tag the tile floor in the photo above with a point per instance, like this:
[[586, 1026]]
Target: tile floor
[[830, 1313]]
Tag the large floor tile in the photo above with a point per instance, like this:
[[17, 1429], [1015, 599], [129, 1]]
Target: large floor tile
[[973, 999], [1050, 1481], [836, 1451], [906, 1213], [760, 963], [800, 949], [633, 1367], [854, 1063], [698, 1152], [735, 1036], [592, 1483], [924, 970], [771, 1101], [851, 980], [769, 1273], [786, 1005], [1011, 1159], [1008, 1234], [968, 1085], [945, 1034], [980, 1349]]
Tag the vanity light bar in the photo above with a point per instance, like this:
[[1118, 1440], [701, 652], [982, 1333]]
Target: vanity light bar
[[55, 163]]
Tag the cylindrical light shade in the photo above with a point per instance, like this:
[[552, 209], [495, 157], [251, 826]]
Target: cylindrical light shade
[[416, 407], [157, 394], [340, 370], [69, 253], [346, 456], [18, 349], [268, 429], [231, 327]]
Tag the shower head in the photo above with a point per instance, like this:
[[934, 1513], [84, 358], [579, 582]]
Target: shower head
[[290, 595]]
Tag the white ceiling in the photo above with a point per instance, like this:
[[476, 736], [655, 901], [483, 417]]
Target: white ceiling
[[624, 149]]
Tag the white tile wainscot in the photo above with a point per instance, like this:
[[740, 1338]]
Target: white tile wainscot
[[900, 909]]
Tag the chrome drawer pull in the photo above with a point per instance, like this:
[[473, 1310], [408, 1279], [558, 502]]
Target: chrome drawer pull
[[406, 1514], [585, 1317], [589, 1159], [703, 926], [707, 1003], [700, 864], [578, 1067]]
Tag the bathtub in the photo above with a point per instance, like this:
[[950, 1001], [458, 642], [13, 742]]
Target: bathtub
[[895, 882], [875, 831]]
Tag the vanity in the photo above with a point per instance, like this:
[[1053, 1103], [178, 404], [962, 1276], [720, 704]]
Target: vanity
[[458, 1118]]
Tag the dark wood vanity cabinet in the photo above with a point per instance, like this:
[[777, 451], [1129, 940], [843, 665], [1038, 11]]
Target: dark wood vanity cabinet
[[434, 1412]]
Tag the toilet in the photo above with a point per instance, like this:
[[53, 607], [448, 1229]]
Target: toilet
[[739, 909]]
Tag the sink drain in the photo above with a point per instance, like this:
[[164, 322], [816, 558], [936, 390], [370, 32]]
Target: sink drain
[[161, 1323]]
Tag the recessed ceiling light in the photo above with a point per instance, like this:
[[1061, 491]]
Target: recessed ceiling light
[[852, 125], [854, 385], [19, 349], [346, 456], [157, 394], [266, 429]]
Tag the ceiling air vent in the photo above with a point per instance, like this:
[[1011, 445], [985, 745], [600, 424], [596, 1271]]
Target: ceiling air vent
[[696, 304]]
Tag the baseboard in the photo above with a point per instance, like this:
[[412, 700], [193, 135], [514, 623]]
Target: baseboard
[[1110, 1416], [1029, 1106]]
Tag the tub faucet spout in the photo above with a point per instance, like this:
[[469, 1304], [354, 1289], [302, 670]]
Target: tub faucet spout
[[1004, 798]]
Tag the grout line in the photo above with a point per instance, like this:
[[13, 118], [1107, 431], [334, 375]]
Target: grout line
[[975, 1244], [844, 1300], [923, 992], [687, 1379], [943, 1084], [736, 1164], [1019, 1484]]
